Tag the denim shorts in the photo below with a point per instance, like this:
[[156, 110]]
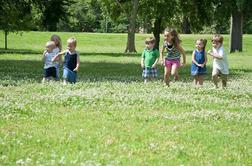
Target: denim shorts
[[69, 75]]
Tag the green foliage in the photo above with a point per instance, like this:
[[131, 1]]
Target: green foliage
[[15, 15]]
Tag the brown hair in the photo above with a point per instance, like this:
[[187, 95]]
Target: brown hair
[[59, 45], [204, 41], [176, 40], [150, 40], [218, 37]]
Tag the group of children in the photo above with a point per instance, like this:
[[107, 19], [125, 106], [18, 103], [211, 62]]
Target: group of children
[[52, 59], [170, 58]]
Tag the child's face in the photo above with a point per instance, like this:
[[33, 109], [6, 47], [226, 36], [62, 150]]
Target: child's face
[[168, 37], [199, 45], [216, 43], [50, 48], [149, 45], [71, 46]]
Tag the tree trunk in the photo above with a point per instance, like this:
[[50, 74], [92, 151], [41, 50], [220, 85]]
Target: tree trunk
[[5, 40], [236, 31], [186, 26], [131, 16], [157, 31]]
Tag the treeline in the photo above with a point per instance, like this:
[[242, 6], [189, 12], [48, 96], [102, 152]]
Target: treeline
[[187, 16], [130, 16]]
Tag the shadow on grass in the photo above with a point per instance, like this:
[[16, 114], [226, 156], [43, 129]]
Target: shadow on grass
[[27, 51], [14, 71]]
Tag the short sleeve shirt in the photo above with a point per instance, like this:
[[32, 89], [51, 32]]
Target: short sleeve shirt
[[150, 57]]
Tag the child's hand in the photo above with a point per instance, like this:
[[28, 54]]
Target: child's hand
[[142, 65], [210, 52], [162, 62], [201, 65], [76, 69]]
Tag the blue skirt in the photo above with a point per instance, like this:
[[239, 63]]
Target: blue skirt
[[69, 75], [196, 70]]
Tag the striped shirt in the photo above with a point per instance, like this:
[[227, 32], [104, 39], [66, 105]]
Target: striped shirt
[[172, 52]]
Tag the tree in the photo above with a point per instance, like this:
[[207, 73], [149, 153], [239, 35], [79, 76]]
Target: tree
[[14, 16], [52, 11], [130, 9], [239, 10], [157, 12]]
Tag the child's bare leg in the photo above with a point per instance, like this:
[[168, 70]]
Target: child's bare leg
[[64, 81], [215, 80], [146, 80], [174, 72], [195, 80], [224, 81], [201, 79], [215, 77], [43, 80], [167, 72]]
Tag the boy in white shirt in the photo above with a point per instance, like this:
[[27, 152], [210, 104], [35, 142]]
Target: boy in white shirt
[[49, 66], [220, 62]]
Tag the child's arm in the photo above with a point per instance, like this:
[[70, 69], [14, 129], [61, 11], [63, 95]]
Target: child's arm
[[193, 59], [142, 62], [78, 63], [216, 55], [43, 56], [162, 56], [58, 56], [182, 51], [156, 61], [205, 54]]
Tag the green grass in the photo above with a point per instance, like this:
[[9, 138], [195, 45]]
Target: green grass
[[111, 118]]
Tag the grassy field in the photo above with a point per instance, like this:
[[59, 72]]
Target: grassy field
[[111, 118]]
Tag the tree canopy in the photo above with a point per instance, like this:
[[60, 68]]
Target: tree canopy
[[130, 16]]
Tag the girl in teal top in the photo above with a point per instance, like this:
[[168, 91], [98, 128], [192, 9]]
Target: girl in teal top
[[172, 58]]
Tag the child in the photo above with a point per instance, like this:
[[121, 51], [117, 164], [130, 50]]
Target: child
[[199, 60], [56, 39], [49, 66], [220, 63], [149, 60], [71, 61], [174, 51]]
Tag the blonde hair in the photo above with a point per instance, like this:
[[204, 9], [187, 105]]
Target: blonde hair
[[175, 40], [53, 37], [150, 40], [50, 44], [72, 40], [204, 41], [218, 37]]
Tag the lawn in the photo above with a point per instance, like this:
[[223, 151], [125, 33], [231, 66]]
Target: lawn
[[111, 118]]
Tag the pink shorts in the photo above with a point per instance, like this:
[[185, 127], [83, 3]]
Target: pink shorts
[[170, 63]]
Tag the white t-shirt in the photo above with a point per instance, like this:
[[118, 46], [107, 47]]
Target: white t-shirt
[[48, 60], [56, 50], [221, 64]]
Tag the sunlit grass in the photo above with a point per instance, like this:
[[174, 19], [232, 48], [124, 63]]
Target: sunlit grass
[[111, 118]]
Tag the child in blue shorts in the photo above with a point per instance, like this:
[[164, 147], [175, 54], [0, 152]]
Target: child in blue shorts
[[71, 62], [149, 60]]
